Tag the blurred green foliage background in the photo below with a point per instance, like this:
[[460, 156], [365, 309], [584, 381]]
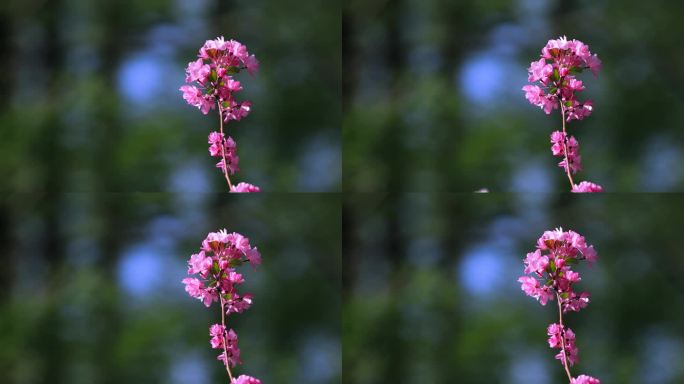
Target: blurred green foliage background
[[430, 291], [90, 99], [92, 292], [432, 95]]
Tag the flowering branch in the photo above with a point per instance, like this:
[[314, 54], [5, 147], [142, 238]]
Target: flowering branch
[[558, 88], [216, 90], [220, 254], [548, 275]]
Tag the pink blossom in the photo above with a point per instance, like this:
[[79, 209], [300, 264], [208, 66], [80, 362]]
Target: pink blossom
[[191, 94], [239, 242], [558, 142], [236, 49], [219, 237], [197, 71], [535, 262], [244, 379], [193, 287], [536, 96], [572, 276], [539, 70], [238, 304], [234, 86], [579, 111], [532, 288], [209, 296], [581, 50], [199, 263], [218, 334], [253, 256], [586, 187], [554, 332], [235, 278], [252, 64], [594, 64], [584, 379], [245, 188], [589, 254], [232, 160], [215, 137], [237, 111], [575, 85], [575, 302]]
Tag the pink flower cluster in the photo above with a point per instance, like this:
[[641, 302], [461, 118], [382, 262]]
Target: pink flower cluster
[[548, 276], [226, 150], [215, 264], [213, 71], [584, 379], [210, 83], [561, 60], [586, 186], [564, 339], [549, 269]]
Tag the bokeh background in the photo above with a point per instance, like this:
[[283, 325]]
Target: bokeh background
[[91, 292], [90, 99], [433, 102], [430, 292]]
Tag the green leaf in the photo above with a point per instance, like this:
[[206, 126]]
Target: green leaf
[[235, 263]]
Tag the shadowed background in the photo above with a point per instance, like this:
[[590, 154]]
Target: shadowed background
[[430, 291], [93, 293], [90, 99], [433, 102]]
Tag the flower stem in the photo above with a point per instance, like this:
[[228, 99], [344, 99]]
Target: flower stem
[[225, 339], [223, 148], [564, 351], [565, 147]]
